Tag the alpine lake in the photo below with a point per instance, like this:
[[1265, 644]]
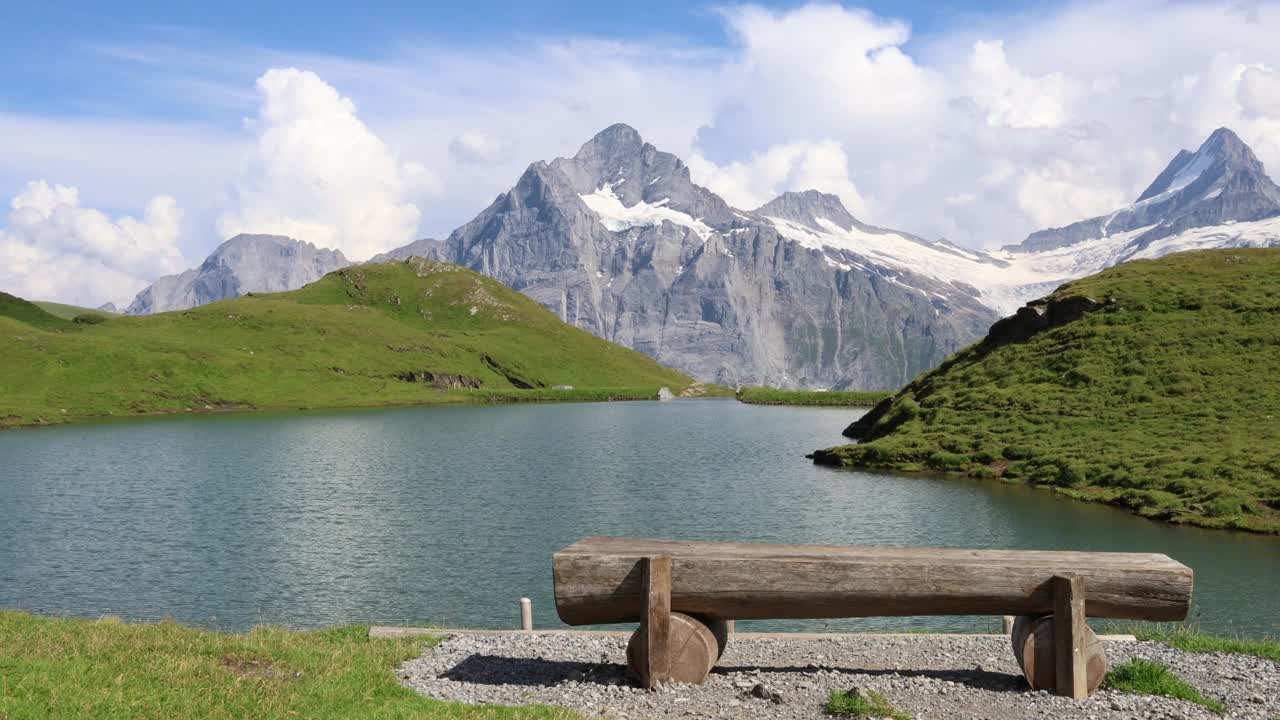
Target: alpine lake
[[446, 516]]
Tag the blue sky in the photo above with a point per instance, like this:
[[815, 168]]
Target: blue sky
[[58, 65], [136, 136]]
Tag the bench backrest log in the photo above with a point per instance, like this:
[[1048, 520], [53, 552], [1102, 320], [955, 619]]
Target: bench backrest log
[[598, 580]]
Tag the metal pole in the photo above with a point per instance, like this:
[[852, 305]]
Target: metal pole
[[526, 614]]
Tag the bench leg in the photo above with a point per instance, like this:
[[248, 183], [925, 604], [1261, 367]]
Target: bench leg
[[1069, 636], [657, 616], [670, 646]]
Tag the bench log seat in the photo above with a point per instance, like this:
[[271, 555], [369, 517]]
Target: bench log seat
[[683, 593]]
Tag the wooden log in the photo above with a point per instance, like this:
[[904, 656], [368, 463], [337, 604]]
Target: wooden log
[[598, 581], [693, 652], [1069, 628], [721, 630], [1036, 653], [655, 661]]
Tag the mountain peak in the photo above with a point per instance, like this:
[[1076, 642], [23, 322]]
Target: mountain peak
[[613, 141], [1220, 156], [1221, 182], [807, 207], [1224, 138]]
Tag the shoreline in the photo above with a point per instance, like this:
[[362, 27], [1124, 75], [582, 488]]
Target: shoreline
[[864, 399], [448, 398], [835, 461]]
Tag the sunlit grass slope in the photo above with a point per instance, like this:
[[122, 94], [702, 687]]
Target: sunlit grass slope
[[1163, 397], [397, 333], [99, 670]]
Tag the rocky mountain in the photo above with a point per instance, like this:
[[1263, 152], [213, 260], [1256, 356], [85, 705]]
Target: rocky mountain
[[243, 264], [1216, 197], [619, 241], [796, 293], [428, 248], [109, 307]]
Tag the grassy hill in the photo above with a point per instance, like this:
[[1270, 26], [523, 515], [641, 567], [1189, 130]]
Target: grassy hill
[[398, 333], [68, 312], [1154, 385]]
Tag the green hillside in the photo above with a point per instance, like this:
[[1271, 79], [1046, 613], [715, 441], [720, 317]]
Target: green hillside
[[1154, 385], [398, 333], [68, 312]]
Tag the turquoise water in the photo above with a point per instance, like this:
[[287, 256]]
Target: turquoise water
[[447, 515]]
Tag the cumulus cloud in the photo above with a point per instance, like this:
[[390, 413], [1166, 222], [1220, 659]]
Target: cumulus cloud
[[797, 166], [54, 249], [319, 174], [986, 132], [476, 147], [981, 131], [1011, 98]]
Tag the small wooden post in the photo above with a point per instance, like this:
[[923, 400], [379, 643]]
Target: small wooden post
[[1006, 623], [657, 613], [526, 614], [1069, 636]]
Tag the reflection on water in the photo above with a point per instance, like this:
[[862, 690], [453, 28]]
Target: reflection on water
[[446, 516]]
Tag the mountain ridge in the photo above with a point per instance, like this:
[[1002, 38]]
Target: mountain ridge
[[618, 240], [799, 292], [242, 264]]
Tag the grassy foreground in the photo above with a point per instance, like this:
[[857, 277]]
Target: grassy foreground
[[839, 398], [1188, 640], [408, 332], [863, 705], [1160, 397], [53, 668], [1146, 677]]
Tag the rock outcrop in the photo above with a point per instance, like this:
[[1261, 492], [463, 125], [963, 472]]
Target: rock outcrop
[[243, 264]]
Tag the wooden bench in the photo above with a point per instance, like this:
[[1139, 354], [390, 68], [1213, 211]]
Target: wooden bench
[[685, 594]]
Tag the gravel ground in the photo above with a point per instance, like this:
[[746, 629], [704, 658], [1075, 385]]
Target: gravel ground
[[926, 676]]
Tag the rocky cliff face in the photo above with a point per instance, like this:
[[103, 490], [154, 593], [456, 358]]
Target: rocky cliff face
[[619, 241], [243, 264]]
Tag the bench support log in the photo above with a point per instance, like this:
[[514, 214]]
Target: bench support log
[[657, 616], [671, 646], [1069, 636]]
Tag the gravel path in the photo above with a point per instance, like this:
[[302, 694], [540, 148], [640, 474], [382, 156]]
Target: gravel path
[[926, 676]]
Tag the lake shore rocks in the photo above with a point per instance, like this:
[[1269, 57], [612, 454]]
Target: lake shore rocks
[[926, 676]]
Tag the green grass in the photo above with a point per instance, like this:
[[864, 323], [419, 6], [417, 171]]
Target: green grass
[[870, 704], [1188, 640], [1147, 677], [1161, 401], [349, 339], [773, 396], [62, 668], [68, 312]]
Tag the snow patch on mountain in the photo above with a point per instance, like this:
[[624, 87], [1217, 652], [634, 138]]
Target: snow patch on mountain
[[616, 216]]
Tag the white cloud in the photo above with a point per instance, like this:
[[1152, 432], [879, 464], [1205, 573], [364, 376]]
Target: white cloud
[[476, 147], [981, 131], [319, 174], [1012, 98], [792, 166], [54, 249]]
